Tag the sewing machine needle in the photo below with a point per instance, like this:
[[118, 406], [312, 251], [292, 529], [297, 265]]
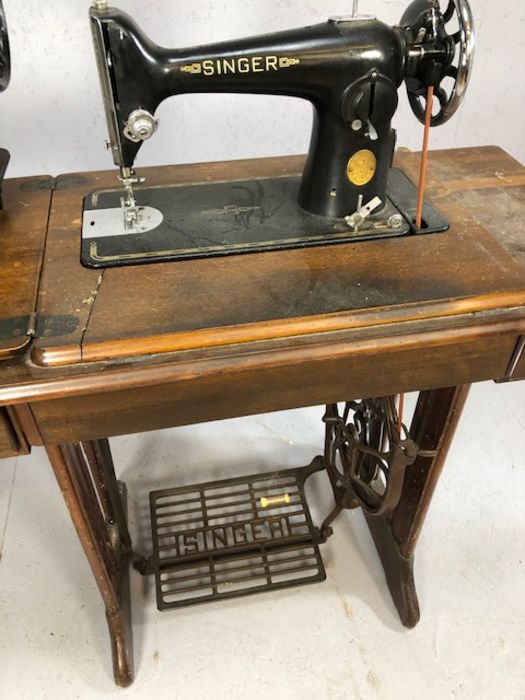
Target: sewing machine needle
[[424, 158]]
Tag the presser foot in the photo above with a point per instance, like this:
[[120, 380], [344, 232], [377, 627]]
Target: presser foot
[[134, 218]]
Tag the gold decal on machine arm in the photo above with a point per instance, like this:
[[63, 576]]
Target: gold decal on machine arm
[[239, 64], [243, 65], [287, 62], [192, 68], [361, 167], [207, 67]]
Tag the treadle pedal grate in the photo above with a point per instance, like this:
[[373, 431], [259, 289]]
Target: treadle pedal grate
[[235, 537]]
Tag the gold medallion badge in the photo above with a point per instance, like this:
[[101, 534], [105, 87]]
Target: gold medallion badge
[[361, 167]]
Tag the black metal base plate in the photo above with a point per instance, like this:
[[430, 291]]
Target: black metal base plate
[[224, 218], [221, 539]]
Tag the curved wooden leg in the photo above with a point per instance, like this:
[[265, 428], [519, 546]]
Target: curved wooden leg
[[88, 483], [435, 420], [121, 636], [399, 571]]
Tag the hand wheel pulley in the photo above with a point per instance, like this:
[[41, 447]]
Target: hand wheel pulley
[[439, 55]]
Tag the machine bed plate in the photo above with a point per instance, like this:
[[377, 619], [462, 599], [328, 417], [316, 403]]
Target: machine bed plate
[[224, 218]]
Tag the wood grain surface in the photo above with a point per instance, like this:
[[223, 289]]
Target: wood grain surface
[[244, 384], [23, 227], [168, 307], [202, 340], [486, 181]]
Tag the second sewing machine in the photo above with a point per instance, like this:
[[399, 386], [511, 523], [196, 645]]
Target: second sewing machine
[[350, 68]]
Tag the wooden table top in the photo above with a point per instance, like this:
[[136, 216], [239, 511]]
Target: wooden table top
[[138, 326], [167, 307], [23, 228]]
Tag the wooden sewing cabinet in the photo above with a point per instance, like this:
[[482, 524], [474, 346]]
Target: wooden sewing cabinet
[[88, 354]]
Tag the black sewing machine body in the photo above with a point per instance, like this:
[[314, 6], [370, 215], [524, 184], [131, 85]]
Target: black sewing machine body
[[350, 69]]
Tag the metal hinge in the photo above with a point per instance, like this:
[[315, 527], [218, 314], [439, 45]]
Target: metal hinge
[[31, 324], [37, 326]]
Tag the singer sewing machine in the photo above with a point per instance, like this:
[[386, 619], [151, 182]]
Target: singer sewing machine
[[110, 354], [349, 68]]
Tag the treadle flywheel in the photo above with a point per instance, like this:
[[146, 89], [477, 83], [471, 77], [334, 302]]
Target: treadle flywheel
[[236, 537]]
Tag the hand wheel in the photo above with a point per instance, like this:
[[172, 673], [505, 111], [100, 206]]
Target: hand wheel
[[436, 54]]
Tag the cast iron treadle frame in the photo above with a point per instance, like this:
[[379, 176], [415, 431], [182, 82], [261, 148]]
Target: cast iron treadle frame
[[221, 539]]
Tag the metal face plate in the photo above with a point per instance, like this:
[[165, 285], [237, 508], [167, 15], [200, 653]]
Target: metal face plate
[[102, 57], [101, 223]]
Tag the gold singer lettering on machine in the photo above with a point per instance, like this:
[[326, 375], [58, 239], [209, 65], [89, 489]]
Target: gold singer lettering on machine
[[240, 64]]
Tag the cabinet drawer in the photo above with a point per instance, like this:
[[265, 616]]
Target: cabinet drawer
[[244, 384]]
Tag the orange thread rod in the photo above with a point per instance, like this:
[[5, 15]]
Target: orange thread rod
[[424, 157], [420, 202]]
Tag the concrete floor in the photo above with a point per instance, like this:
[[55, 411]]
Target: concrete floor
[[338, 639]]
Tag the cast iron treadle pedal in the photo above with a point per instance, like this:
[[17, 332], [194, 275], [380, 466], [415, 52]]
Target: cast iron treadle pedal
[[235, 537]]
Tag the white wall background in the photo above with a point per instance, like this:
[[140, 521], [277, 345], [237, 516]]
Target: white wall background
[[51, 116]]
